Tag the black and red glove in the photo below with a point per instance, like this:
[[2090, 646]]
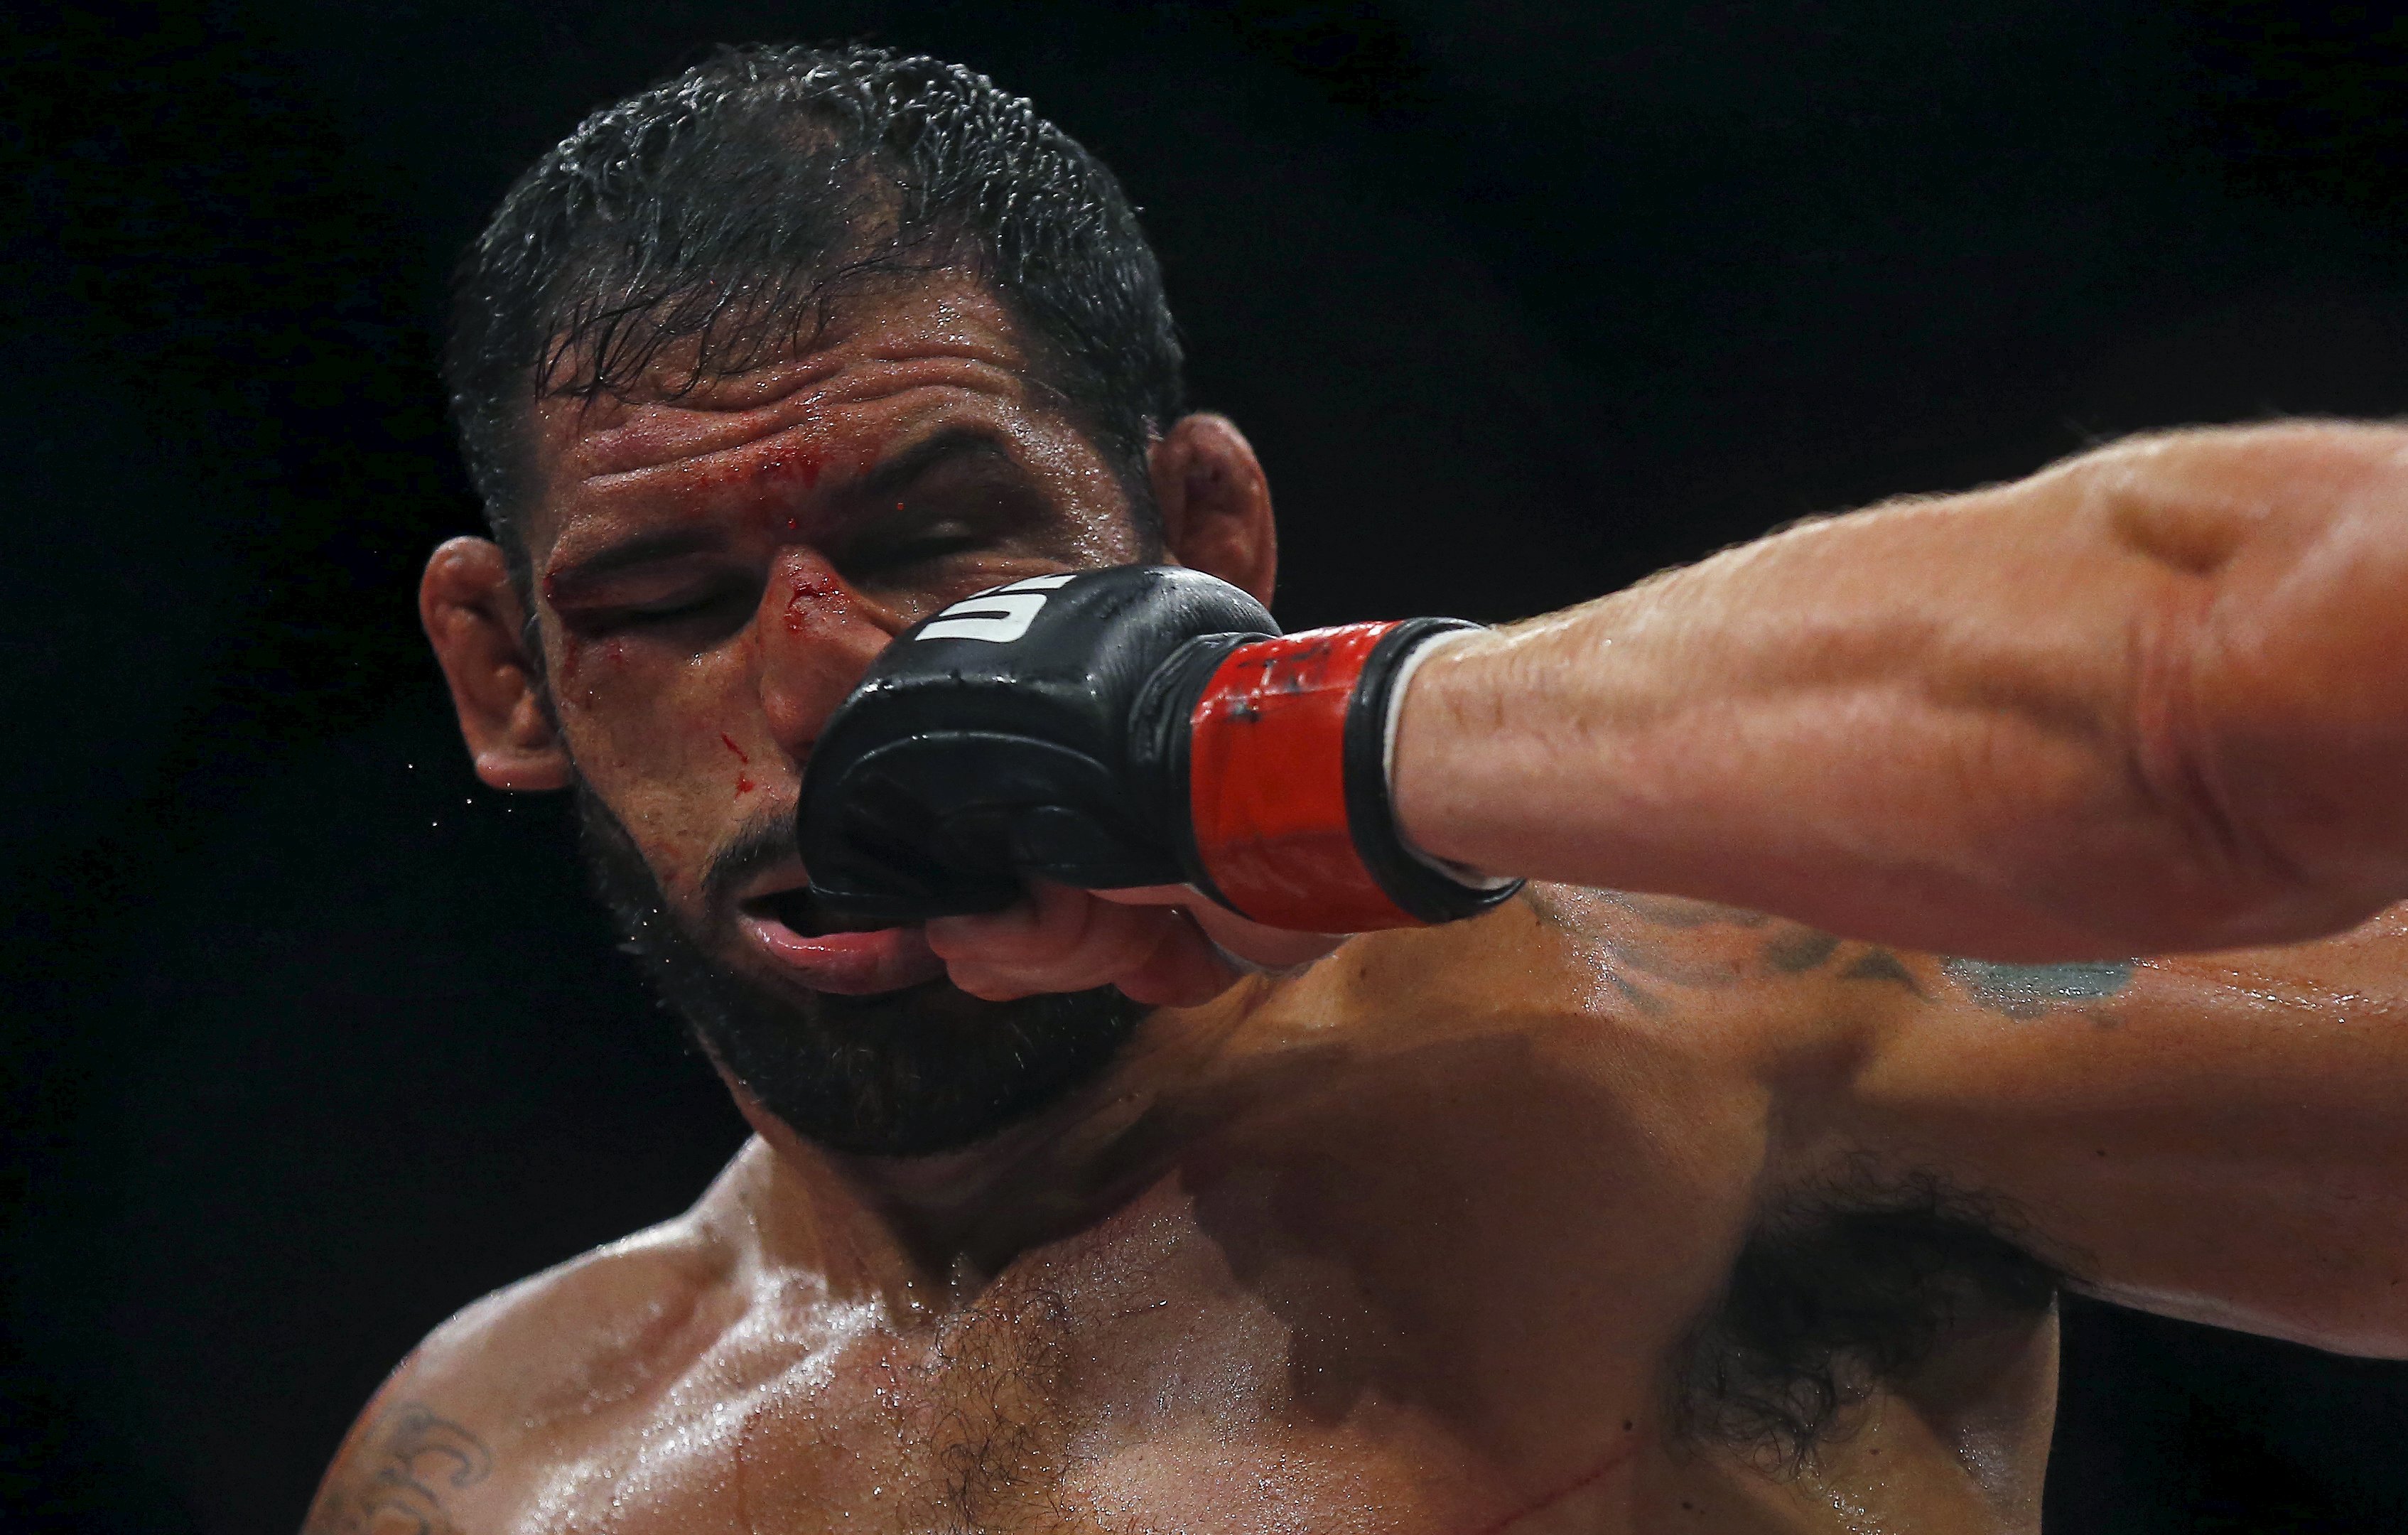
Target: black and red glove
[[1141, 726]]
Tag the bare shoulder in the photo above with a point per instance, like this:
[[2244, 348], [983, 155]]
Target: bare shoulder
[[516, 1370], [1758, 988], [2361, 972], [1642, 1006]]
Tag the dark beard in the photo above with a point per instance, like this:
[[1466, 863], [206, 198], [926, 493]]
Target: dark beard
[[905, 1074]]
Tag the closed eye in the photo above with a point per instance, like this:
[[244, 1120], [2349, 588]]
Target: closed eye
[[693, 617], [901, 543], [663, 612]]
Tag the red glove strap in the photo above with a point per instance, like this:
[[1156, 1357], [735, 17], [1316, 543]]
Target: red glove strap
[[1267, 783]]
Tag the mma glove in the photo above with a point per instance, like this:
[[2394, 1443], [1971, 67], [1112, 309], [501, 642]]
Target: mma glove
[[1141, 726]]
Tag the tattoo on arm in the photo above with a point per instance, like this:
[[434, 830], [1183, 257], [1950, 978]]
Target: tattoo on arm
[[1881, 964], [1783, 949], [395, 1488], [2027, 991], [1788, 949], [1794, 950]]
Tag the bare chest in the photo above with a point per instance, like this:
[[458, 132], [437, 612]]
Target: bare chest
[[1222, 1355], [1027, 1428], [1438, 1287], [867, 1449], [1170, 1375]]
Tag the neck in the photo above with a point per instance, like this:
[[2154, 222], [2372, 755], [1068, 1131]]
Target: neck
[[944, 1225]]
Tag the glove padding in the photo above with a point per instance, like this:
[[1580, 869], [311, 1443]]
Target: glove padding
[[1141, 726]]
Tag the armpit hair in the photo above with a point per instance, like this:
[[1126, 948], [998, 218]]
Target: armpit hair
[[1838, 1292]]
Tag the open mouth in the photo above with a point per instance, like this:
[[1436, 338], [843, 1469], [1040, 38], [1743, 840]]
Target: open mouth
[[812, 945], [797, 910], [807, 916]]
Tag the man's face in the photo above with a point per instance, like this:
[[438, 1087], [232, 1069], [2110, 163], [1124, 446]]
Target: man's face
[[713, 571]]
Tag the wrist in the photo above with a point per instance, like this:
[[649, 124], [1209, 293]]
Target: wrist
[[1288, 762], [1414, 822]]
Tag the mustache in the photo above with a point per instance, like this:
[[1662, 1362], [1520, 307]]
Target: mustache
[[762, 842]]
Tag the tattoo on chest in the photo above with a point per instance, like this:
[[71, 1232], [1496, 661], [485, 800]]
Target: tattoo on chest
[[411, 1457]]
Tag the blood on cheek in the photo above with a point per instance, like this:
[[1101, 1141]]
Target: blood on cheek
[[743, 779]]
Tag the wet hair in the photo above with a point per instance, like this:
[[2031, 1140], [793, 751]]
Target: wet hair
[[1839, 1293], [719, 216]]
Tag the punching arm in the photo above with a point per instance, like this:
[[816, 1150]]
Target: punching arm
[[2154, 698]]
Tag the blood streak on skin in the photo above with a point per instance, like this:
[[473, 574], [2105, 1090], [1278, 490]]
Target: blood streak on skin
[[803, 466], [730, 741], [764, 469], [1620, 1456], [572, 650]]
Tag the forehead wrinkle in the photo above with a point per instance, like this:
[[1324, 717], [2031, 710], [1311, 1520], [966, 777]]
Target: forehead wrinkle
[[927, 325], [669, 440], [805, 457]]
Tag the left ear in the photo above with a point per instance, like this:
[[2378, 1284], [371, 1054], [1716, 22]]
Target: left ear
[[1215, 504]]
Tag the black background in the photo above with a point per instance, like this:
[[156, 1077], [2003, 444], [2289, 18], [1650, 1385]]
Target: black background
[[308, 1041]]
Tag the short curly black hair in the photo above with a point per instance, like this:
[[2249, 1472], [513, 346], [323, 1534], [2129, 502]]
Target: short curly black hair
[[724, 210]]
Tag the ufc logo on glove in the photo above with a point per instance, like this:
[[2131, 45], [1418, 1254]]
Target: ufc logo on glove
[[998, 615]]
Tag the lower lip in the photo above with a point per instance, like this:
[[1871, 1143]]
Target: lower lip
[[850, 964]]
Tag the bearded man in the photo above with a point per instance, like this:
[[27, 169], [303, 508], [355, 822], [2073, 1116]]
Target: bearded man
[[1096, 1186]]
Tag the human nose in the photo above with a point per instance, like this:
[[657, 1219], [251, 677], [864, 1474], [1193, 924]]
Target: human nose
[[817, 633]]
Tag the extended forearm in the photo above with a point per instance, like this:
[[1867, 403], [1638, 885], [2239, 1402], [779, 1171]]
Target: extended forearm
[[2150, 699]]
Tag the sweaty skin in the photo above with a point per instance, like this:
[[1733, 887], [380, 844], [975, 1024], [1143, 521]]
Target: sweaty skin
[[1418, 1237], [2150, 699], [1411, 1243]]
